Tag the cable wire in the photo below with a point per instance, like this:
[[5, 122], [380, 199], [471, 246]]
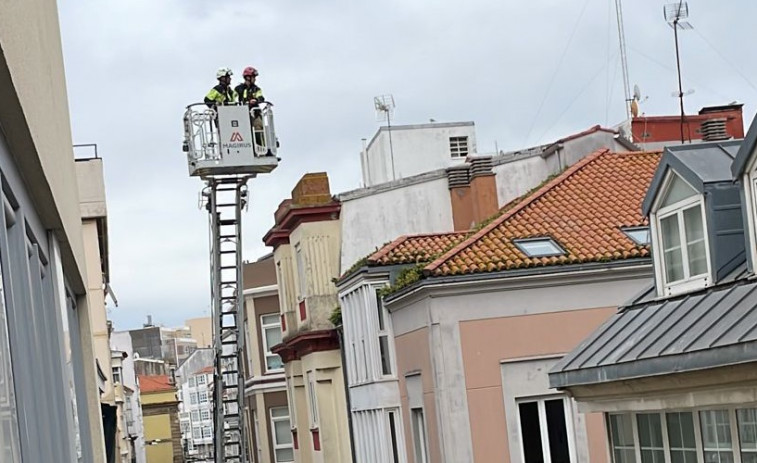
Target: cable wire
[[722, 56]]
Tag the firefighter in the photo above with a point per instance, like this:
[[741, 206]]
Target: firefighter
[[222, 93], [250, 94]]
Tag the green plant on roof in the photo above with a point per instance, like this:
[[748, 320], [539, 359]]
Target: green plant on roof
[[336, 316]]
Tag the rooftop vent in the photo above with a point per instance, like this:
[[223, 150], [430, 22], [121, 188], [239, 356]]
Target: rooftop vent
[[481, 165], [714, 129], [457, 176]]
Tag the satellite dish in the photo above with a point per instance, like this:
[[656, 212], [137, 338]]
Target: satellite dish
[[636, 93]]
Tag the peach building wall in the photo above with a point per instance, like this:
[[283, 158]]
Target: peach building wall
[[486, 343]]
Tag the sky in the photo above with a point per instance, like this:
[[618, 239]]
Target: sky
[[525, 72]]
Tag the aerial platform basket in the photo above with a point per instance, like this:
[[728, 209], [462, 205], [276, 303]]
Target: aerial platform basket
[[226, 141]]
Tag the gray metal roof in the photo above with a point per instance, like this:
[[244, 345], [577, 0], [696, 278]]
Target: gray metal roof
[[707, 329], [698, 164], [747, 148]]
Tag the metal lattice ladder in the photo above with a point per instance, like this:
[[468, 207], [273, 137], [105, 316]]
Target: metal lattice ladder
[[226, 198]]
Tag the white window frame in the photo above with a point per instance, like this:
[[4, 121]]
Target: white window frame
[[204, 415], [292, 408], [312, 399], [541, 407], [696, 418], [192, 382], [202, 397], [523, 245], [459, 146], [274, 420], [195, 416], [117, 371], [399, 434], [266, 348], [201, 380], [209, 434], [424, 457], [385, 333], [750, 185], [193, 398], [196, 431], [688, 283]]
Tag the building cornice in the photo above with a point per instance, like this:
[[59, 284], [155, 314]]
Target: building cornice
[[295, 216], [307, 343]]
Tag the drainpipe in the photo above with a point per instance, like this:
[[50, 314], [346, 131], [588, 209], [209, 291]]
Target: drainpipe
[[340, 335]]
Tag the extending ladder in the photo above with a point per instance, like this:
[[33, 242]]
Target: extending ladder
[[226, 197]]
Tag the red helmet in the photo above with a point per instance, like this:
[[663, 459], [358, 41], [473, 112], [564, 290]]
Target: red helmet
[[249, 71]]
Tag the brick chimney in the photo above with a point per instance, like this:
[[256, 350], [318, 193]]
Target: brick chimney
[[473, 192]]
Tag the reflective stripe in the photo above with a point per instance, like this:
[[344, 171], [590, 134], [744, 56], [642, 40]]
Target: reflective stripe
[[218, 97]]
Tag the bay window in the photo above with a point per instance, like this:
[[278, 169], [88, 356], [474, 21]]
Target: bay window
[[692, 436]]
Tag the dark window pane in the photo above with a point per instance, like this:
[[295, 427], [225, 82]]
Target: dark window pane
[[557, 430], [386, 365], [530, 432], [393, 433]]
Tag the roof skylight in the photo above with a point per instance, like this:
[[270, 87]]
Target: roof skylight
[[639, 235], [539, 247]]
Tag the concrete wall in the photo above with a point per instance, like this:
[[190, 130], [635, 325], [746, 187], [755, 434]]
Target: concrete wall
[[374, 217], [34, 118], [417, 149], [470, 329], [201, 330]]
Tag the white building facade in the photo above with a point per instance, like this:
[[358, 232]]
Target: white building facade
[[124, 373]]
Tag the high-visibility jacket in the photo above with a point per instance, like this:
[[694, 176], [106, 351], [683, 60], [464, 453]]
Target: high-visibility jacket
[[245, 93], [220, 95]]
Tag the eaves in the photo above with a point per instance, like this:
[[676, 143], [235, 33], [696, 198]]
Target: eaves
[[530, 278]]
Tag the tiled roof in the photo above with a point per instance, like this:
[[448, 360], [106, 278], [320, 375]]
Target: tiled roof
[[582, 209], [204, 371], [156, 383], [414, 249]]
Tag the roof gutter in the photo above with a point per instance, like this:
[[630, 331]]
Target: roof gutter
[[533, 277]]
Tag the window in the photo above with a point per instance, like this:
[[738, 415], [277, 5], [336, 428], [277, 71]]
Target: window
[[184, 427], [683, 447], [197, 433], [458, 147], [292, 408], [301, 273], [201, 380], [204, 415], [539, 247], [116, 375], [192, 382], [312, 399], [270, 327], [716, 436], [544, 431], [711, 436], [282, 435], [639, 235], [394, 434], [383, 337], [207, 432], [682, 236], [420, 445], [621, 438], [650, 438], [193, 398], [195, 416], [203, 397]]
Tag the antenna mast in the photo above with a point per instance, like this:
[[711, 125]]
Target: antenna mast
[[384, 105], [623, 56], [674, 13]]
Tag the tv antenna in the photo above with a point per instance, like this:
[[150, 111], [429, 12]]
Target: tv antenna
[[675, 15], [384, 105]]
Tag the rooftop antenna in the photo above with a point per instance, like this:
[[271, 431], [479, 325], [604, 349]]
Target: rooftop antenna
[[675, 14], [623, 56], [384, 105]]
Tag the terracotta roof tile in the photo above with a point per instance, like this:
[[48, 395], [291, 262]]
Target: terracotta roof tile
[[155, 383], [205, 370], [582, 209], [415, 249]]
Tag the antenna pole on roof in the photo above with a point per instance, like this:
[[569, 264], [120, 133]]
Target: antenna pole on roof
[[623, 57], [674, 14]]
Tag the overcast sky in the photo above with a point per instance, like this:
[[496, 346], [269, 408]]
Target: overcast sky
[[525, 72]]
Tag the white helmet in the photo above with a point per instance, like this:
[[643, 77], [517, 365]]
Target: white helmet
[[223, 72]]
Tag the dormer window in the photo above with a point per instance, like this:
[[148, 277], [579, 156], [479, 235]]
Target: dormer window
[[682, 243]]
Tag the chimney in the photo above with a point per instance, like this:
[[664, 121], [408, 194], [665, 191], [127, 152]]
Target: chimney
[[149, 322], [483, 185], [715, 129], [473, 192], [458, 181]]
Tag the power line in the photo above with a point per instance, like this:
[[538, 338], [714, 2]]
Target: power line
[[557, 70], [576, 97], [728, 62]]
